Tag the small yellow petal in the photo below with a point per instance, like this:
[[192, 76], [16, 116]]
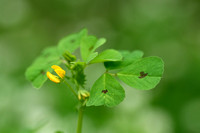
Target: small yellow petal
[[53, 77], [55, 67], [60, 72]]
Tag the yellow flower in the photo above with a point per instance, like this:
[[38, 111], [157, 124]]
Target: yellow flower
[[59, 71]]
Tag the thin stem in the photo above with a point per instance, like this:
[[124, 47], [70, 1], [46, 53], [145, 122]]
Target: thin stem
[[80, 119], [69, 86]]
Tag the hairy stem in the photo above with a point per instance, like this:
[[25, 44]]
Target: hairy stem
[[80, 119]]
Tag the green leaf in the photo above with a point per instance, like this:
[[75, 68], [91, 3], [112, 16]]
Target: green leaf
[[36, 73], [91, 57], [107, 55], [143, 74], [128, 58], [93, 54], [71, 42], [88, 46], [99, 43], [106, 91]]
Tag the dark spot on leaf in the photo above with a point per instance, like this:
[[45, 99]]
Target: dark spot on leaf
[[72, 41], [47, 55], [104, 91], [91, 48], [42, 72], [142, 75]]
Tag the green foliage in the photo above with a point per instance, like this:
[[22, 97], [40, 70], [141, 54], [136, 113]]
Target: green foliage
[[128, 58], [135, 71], [143, 74], [36, 73], [107, 55], [71, 42], [106, 91], [88, 46]]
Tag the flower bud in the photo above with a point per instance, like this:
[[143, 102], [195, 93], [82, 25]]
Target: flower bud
[[69, 57], [83, 94]]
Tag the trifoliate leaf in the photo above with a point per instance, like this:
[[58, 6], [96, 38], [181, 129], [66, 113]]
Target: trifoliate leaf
[[71, 42], [107, 55], [88, 46], [128, 58], [36, 73], [106, 91], [93, 54], [143, 74]]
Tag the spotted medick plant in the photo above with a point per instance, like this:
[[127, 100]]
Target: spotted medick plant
[[128, 67]]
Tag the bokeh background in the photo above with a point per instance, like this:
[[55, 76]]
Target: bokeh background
[[166, 28]]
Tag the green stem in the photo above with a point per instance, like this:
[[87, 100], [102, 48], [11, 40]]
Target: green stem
[[69, 86], [80, 119]]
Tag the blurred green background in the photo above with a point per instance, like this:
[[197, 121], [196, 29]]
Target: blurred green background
[[166, 28]]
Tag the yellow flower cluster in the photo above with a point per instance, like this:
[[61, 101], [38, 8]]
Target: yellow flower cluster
[[59, 71]]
